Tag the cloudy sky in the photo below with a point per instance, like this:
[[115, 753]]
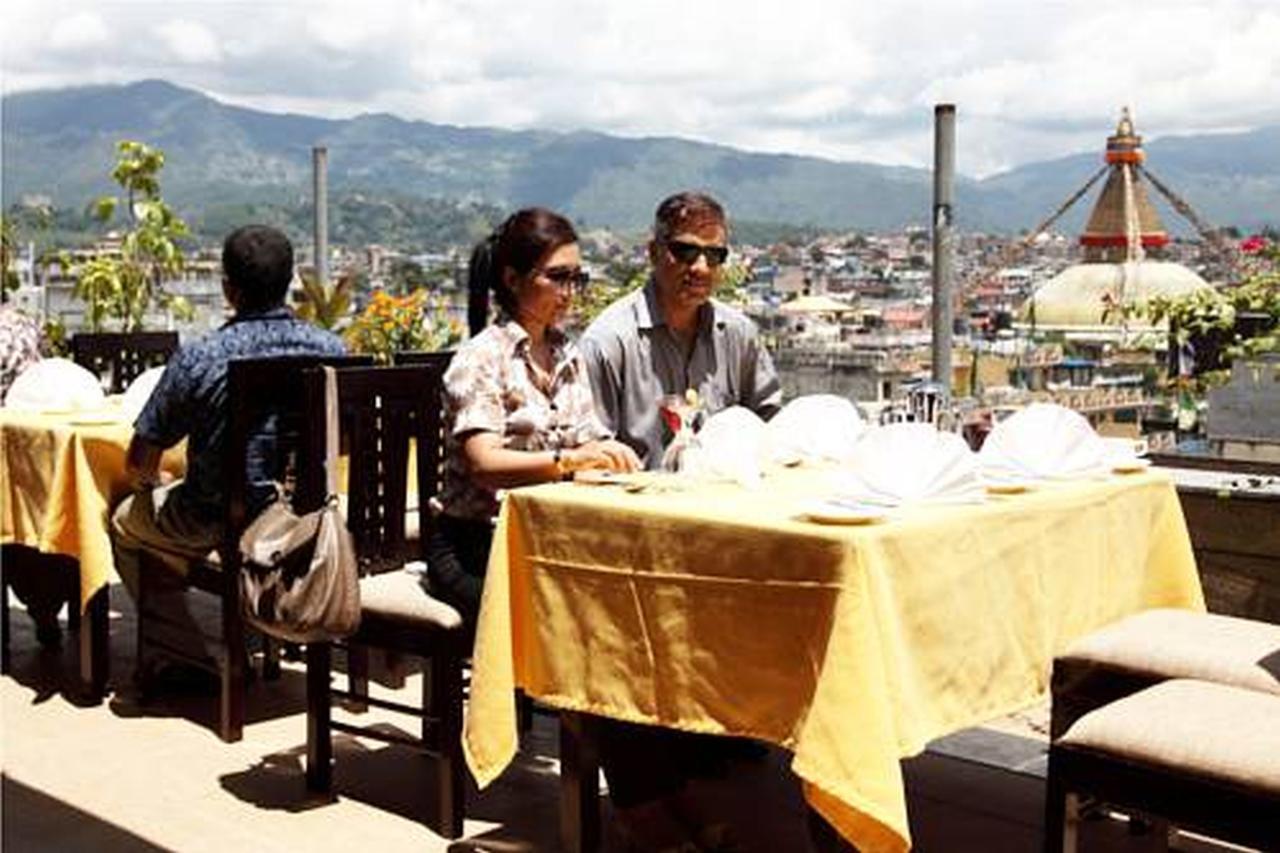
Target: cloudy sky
[[845, 79]]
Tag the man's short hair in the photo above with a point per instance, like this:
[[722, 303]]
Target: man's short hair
[[686, 210], [258, 261]]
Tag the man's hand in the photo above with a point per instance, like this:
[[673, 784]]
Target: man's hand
[[142, 465]]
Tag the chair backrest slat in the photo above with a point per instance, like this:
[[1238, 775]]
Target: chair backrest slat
[[122, 356], [383, 410]]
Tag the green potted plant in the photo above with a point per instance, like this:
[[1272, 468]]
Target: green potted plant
[[121, 285]]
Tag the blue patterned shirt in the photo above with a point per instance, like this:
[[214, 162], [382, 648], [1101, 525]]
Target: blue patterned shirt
[[191, 399]]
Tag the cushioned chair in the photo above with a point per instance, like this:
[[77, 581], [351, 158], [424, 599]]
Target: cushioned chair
[[1203, 756], [1149, 647], [257, 389], [119, 357], [383, 410]]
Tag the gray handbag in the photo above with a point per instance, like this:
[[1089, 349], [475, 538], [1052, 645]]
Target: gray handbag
[[299, 580]]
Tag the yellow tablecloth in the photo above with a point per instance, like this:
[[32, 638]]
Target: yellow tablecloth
[[59, 476], [716, 610]]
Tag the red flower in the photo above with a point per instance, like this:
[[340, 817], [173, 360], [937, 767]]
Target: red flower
[[1253, 245]]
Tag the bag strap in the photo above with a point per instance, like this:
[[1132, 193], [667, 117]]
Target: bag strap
[[330, 431]]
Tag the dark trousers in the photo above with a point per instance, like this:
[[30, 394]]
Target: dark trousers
[[457, 556]]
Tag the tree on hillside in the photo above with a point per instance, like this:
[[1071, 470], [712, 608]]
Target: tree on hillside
[[123, 284]]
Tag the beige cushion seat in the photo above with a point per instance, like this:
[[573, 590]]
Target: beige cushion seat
[[1202, 756], [1196, 727], [400, 596], [1156, 645]]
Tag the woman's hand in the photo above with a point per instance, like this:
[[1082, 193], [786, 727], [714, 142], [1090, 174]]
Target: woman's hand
[[608, 454]]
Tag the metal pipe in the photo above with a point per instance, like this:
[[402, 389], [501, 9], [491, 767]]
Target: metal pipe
[[944, 172], [320, 193]]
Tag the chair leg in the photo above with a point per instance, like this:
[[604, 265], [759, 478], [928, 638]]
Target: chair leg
[[319, 714], [1061, 813], [270, 659], [442, 696], [94, 642], [4, 622], [579, 783], [233, 671], [357, 675]]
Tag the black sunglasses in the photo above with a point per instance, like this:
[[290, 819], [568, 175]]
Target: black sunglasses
[[687, 253], [575, 277]]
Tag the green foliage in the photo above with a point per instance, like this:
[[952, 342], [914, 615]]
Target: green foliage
[[8, 250], [54, 340], [328, 306], [122, 285], [1213, 313]]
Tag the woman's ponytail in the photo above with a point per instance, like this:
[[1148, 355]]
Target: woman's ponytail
[[482, 271]]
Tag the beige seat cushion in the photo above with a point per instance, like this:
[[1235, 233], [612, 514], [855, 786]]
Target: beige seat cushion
[[1186, 644], [1210, 730], [401, 596]]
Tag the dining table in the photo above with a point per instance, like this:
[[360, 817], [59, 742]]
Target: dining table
[[850, 641], [61, 472]]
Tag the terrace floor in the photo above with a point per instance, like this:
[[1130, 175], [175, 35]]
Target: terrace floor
[[117, 777]]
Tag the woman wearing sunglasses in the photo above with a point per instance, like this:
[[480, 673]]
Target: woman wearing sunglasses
[[518, 404]]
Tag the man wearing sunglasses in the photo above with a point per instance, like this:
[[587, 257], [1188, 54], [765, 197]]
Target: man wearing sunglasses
[[671, 336]]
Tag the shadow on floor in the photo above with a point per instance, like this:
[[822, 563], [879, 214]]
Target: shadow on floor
[[29, 814]]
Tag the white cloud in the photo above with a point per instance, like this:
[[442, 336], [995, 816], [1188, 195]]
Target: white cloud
[[189, 41], [841, 80], [80, 31]]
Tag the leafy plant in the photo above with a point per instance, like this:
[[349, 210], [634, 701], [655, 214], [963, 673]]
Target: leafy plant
[[328, 306], [122, 285], [8, 248], [1213, 317], [391, 324]]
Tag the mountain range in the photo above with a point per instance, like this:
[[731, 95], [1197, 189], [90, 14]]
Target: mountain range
[[60, 144]]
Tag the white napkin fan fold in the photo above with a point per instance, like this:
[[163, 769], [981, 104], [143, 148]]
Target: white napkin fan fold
[[910, 463], [817, 427], [1044, 440]]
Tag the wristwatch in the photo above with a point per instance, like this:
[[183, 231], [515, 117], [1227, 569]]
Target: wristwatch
[[557, 459]]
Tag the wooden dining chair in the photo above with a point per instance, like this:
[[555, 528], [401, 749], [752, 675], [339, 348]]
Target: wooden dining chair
[[384, 410], [120, 357], [257, 389]]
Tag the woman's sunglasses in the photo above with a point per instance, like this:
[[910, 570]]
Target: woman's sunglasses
[[571, 277], [687, 253]]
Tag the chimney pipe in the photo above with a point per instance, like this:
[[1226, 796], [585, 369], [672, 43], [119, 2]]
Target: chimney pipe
[[944, 172], [320, 194]]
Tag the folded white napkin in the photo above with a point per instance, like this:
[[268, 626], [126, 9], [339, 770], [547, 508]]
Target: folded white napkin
[[1044, 440], [55, 384], [817, 427], [910, 463], [732, 445], [139, 391]]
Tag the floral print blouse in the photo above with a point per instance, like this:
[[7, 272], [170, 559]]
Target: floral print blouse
[[493, 386]]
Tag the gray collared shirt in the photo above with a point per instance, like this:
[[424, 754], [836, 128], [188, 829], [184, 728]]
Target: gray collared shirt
[[633, 359]]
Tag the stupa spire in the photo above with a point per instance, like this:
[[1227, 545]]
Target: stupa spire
[[1123, 224]]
